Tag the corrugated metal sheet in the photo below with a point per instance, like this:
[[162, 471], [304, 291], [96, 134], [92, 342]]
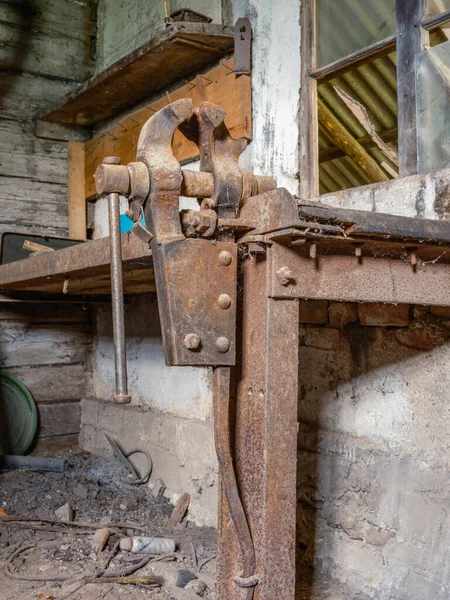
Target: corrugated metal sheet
[[374, 85]]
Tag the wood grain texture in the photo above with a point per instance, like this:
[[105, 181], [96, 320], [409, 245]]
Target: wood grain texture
[[76, 185], [219, 86], [54, 383], [35, 37], [172, 54], [411, 39], [308, 139]]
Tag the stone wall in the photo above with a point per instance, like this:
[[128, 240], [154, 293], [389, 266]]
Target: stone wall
[[373, 448]]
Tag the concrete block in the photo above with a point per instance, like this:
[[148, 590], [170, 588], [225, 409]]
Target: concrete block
[[323, 338], [182, 449], [313, 311], [384, 315]]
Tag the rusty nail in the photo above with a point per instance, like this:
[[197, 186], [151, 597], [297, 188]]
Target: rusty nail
[[225, 258], [313, 250], [224, 301], [192, 341], [222, 344], [111, 160], [285, 276]]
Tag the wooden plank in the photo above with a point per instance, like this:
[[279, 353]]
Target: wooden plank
[[218, 85], [61, 132], [308, 143], [59, 419], [35, 37], [348, 144], [29, 214], [76, 185], [389, 135], [172, 54], [26, 96], [53, 383], [411, 39], [42, 312], [23, 155], [81, 261], [25, 345]]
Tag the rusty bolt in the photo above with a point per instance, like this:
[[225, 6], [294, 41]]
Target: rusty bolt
[[285, 276], [225, 258], [192, 341], [224, 301], [222, 344], [111, 160]]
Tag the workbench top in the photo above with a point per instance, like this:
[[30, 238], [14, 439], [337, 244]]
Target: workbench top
[[83, 269]]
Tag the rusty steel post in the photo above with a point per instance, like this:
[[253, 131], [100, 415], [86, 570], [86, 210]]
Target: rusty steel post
[[264, 431], [120, 354]]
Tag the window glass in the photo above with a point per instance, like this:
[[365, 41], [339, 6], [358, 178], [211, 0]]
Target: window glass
[[436, 7], [433, 108], [358, 125], [346, 26]]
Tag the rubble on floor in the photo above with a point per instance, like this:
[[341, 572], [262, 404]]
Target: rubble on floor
[[55, 555]]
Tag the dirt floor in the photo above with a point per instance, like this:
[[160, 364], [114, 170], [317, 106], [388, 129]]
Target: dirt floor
[[96, 488]]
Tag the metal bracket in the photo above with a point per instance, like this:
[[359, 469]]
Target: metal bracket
[[196, 280]]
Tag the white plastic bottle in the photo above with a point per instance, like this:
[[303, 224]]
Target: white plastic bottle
[[147, 545]]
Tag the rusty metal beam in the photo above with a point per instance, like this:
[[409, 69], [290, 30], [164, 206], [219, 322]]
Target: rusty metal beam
[[265, 441], [364, 279]]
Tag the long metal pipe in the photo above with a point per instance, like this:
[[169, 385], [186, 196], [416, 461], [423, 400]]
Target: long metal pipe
[[118, 314]]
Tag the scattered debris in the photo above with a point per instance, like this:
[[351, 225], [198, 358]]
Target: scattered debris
[[158, 488], [99, 540], [57, 556], [179, 510], [81, 491], [198, 586], [64, 512]]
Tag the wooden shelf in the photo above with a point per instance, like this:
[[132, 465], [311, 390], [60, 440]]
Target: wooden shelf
[[83, 269], [172, 54]]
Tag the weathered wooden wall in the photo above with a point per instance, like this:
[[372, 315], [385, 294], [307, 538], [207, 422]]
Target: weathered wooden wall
[[46, 50]]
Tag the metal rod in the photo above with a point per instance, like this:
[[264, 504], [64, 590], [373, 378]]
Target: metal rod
[[37, 463], [120, 353]]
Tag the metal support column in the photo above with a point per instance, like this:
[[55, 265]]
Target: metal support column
[[264, 442]]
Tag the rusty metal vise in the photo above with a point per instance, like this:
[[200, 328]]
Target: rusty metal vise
[[196, 279]]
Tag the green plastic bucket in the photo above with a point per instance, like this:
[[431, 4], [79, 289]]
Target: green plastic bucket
[[18, 416]]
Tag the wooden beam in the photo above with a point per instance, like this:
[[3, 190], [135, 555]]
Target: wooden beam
[[171, 55], [308, 142], [219, 85], [348, 144], [76, 197], [86, 268], [389, 135], [61, 132], [411, 39]]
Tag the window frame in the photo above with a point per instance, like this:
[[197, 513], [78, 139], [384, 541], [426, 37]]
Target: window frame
[[411, 37]]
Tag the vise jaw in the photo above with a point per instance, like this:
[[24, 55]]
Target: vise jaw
[[195, 253]]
